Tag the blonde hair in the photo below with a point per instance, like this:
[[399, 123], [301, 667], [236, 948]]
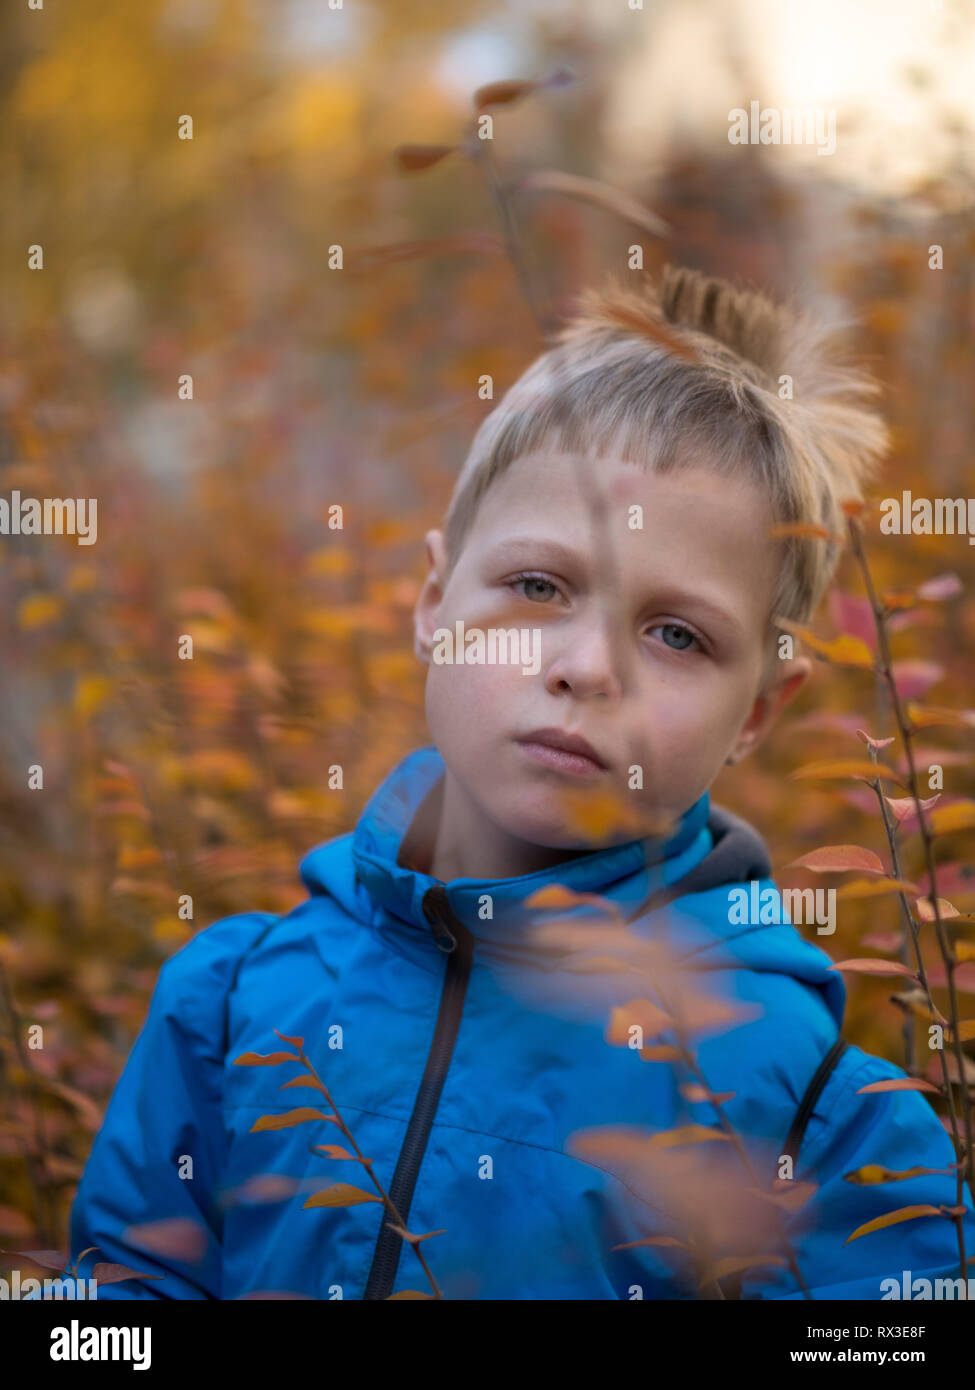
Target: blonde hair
[[685, 371]]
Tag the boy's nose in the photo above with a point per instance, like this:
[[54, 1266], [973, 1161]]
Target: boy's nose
[[584, 660]]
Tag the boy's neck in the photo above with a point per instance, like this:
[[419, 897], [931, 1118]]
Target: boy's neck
[[450, 837]]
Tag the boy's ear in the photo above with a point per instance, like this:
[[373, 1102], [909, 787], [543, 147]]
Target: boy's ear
[[428, 600], [769, 704]]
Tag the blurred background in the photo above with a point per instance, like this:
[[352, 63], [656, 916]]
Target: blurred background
[[316, 385]]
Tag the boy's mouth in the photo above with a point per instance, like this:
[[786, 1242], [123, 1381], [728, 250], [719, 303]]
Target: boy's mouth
[[559, 749]]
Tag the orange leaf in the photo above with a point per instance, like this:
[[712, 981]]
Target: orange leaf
[[895, 600], [790, 1195], [923, 716], [258, 1059], [839, 859], [891, 1219], [696, 1093], [502, 93], [872, 965], [640, 1012], [306, 1079], [652, 1240], [413, 157], [925, 909], [408, 1293], [802, 528], [901, 1083], [287, 1120], [335, 1151], [685, 1134], [295, 1042], [340, 1194], [409, 1237], [664, 1053]]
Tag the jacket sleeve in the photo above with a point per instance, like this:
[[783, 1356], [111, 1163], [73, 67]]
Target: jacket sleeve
[[166, 1109], [898, 1130]]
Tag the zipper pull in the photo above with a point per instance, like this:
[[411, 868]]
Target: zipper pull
[[436, 909]]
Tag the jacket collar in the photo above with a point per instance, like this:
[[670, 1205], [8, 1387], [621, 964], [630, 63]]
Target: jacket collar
[[626, 873]]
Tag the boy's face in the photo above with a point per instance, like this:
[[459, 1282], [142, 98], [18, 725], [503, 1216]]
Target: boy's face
[[649, 645]]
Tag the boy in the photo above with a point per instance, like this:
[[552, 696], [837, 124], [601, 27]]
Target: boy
[[615, 511]]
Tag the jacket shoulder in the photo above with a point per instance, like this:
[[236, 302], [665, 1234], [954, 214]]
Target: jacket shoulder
[[204, 970], [844, 1115]]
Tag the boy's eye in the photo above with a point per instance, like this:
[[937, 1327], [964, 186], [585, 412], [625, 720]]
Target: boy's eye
[[533, 584], [683, 636]]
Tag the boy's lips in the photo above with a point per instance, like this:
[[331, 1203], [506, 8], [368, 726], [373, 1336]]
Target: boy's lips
[[559, 748]]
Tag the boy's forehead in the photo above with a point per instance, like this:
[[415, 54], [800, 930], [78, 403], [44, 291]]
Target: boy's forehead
[[585, 478]]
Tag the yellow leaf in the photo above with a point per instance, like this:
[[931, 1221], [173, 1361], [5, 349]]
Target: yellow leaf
[[81, 579], [36, 610], [845, 650], [960, 816], [170, 929], [872, 1173], [871, 887], [138, 856], [329, 561], [891, 1219]]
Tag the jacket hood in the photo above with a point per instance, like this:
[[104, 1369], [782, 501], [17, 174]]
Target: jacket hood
[[682, 881]]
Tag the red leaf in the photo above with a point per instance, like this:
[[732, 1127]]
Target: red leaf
[[875, 743], [941, 587], [177, 1238], [47, 1259], [914, 679], [854, 615], [106, 1273], [839, 859]]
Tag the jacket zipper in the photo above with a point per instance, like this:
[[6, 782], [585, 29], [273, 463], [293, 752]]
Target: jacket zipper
[[457, 943]]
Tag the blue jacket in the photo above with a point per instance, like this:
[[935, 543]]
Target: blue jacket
[[466, 1093]]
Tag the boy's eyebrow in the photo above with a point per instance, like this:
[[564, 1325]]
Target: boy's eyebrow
[[549, 549]]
